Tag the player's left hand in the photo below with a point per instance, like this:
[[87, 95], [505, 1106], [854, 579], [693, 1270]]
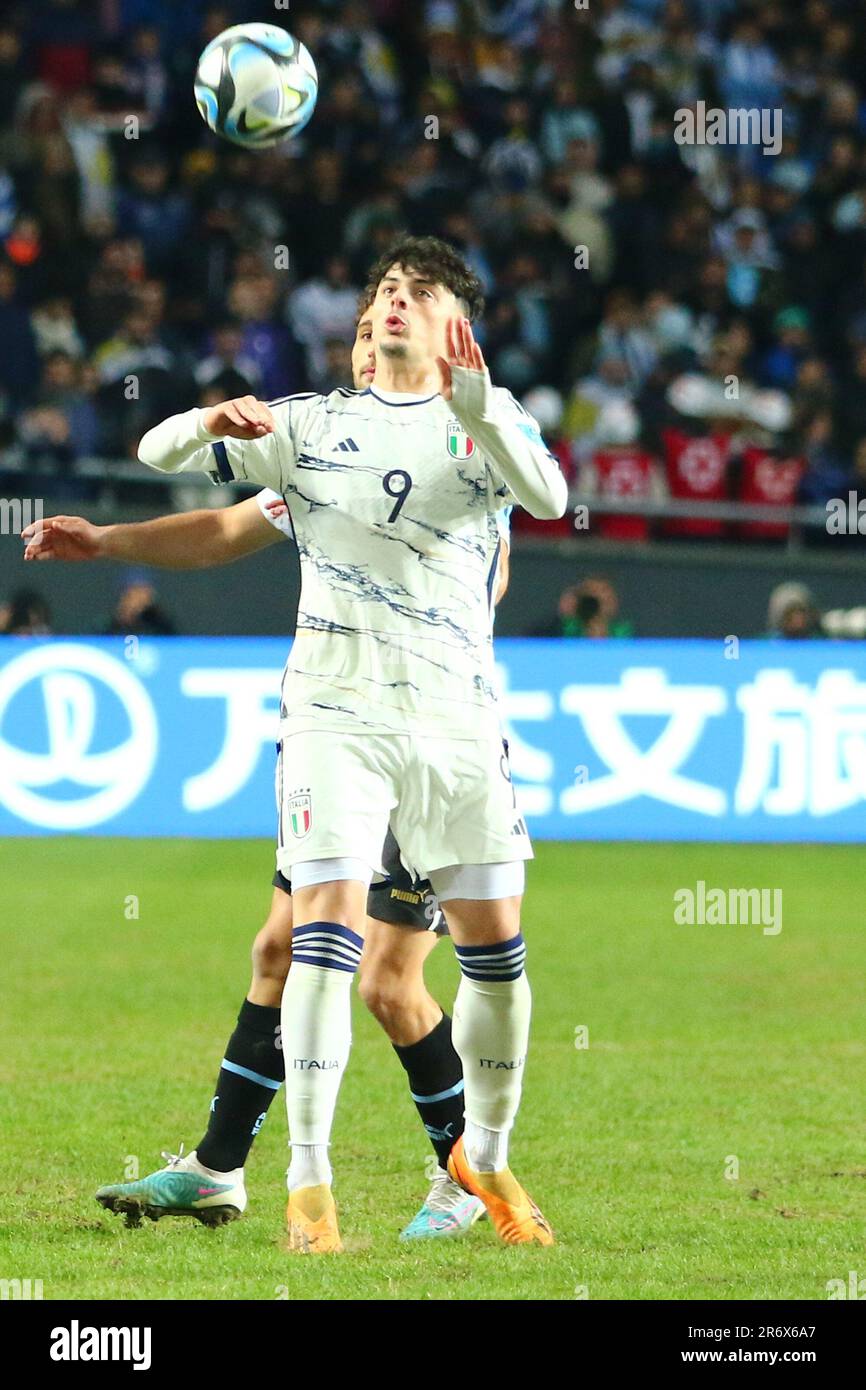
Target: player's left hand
[[63, 538], [462, 350]]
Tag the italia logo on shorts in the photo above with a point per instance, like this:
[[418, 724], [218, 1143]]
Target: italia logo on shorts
[[460, 446], [300, 814]]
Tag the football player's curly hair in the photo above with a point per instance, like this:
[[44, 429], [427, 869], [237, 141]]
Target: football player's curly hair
[[364, 302], [436, 261]]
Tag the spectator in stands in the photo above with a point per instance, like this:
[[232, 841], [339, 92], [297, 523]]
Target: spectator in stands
[[321, 308], [565, 120], [460, 229], [752, 275], [135, 347], [321, 214], [228, 364], [793, 613], [252, 300], [750, 74], [814, 390], [19, 364], [792, 341], [110, 285], [150, 210], [63, 397], [607, 387], [826, 474], [622, 335], [54, 327], [588, 609], [145, 72], [137, 612], [26, 614]]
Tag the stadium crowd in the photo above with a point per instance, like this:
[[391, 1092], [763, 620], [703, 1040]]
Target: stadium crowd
[[686, 321]]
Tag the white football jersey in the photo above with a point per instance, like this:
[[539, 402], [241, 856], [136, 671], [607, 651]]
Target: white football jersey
[[395, 510], [281, 521]]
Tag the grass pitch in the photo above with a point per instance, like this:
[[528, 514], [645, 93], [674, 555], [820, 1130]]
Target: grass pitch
[[707, 1143]]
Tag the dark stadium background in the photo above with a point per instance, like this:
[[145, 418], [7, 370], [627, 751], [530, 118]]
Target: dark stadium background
[[134, 245]]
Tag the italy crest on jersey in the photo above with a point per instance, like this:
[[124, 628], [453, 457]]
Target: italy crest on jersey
[[300, 810], [460, 446]]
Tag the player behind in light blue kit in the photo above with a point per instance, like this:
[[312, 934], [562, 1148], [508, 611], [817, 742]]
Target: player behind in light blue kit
[[404, 919], [388, 712]]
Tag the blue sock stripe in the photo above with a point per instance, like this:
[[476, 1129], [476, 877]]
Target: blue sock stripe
[[496, 948], [498, 958], [325, 962], [324, 954], [322, 942], [333, 929], [494, 979], [494, 967], [251, 1075], [503, 960], [473, 966], [440, 1095], [327, 944]]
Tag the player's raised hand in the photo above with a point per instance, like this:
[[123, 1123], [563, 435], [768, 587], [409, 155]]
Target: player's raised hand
[[242, 418], [461, 351], [62, 538]]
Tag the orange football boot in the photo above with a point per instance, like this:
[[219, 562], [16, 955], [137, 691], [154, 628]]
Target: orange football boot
[[515, 1217], [311, 1216]]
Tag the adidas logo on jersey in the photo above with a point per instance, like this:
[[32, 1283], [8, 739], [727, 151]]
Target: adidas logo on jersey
[[348, 446]]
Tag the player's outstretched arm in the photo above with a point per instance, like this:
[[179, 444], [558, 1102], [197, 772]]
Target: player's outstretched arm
[[506, 433], [237, 439], [192, 540]]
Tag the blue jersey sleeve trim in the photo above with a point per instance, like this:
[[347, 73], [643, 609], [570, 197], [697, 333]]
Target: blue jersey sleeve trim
[[224, 468]]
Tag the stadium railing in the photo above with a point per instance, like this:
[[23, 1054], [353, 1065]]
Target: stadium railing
[[117, 477]]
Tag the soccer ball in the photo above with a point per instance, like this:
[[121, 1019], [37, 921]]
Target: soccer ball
[[256, 85]]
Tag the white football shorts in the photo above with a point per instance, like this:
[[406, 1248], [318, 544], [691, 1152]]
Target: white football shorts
[[447, 801]]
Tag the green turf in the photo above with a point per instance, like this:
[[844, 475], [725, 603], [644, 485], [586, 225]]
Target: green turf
[[704, 1042]]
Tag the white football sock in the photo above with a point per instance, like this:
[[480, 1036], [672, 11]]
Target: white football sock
[[316, 1030], [486, 1149], [309, 1166], [490, 1030]]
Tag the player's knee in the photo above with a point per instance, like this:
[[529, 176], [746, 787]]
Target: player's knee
[[272, 954], [384, 992]]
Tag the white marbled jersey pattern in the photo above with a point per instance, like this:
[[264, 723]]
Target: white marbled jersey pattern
[[394, 509]]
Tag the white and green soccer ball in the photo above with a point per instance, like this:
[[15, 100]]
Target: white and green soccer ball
[[256, 85]]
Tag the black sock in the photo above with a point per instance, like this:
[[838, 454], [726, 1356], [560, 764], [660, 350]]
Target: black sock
[[436, 1082], [249, 1078]]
